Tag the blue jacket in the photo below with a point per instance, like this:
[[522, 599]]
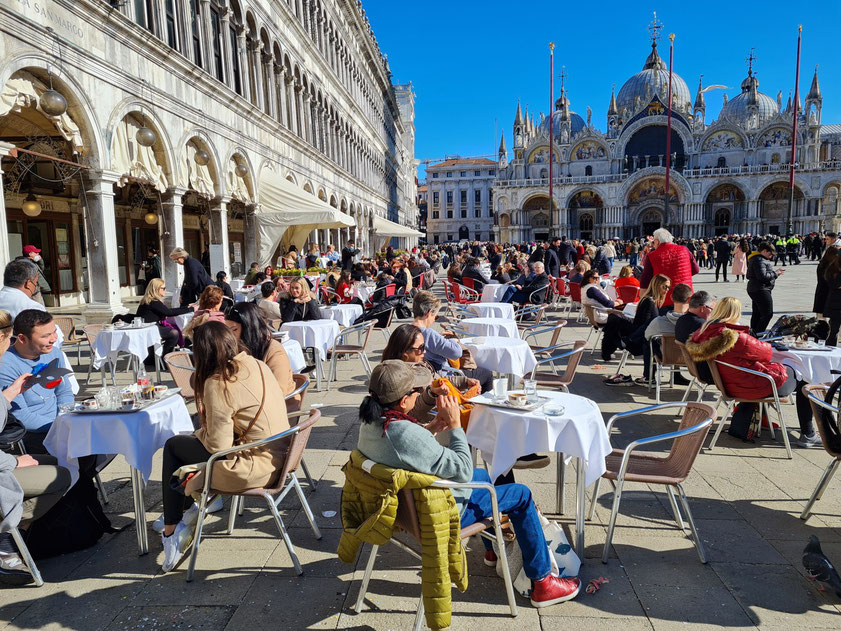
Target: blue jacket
[[37, 407]]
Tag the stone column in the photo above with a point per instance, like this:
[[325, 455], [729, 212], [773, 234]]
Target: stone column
[[250, 230], [227, 53], [280, 91], [5, 256], [206, 31], [292, 109], [244, 75], [256, 73], [103, 267], [299, 110], [219, 230], [267, 74], [173, 236]]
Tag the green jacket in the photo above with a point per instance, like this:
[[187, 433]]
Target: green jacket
[[369, 511]]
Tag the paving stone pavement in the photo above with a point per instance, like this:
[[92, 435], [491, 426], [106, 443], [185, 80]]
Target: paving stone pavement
[[746, 500]]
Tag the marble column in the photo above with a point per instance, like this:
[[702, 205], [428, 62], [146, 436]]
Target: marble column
[[103, 267], [299, 110], [267, 74], [206, 42], [5, 255], [250, 230], [292, 109], [219, 230], [227, 53], [280, 91], [244, 74], [256, 73], [173, 236]]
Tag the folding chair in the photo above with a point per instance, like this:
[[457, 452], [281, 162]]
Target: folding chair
[[407, 522], [297, 438], [363, 329], [820, 408], [671, 470], [68, 330]]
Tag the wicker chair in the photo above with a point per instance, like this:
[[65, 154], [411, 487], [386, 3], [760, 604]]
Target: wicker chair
[[180, 365], [297, 437], [68, 330], [628, 465], [816, 394], [696, 381], [550, 378]]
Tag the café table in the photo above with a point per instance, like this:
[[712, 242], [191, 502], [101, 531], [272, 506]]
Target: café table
[[495, 327], [237, 284], [503, 310], [506, 355], [343, 314], [134, 341], [181, 321], [492, 293], [135, 435], [315, 334], [811, 365], [362, 291], [503, 435], [296, 354], [630, 310]]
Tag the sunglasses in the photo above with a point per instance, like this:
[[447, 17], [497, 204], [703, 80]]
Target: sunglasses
[[418, 349]]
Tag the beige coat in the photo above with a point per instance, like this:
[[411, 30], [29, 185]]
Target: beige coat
[[278, 362], [232, 405]]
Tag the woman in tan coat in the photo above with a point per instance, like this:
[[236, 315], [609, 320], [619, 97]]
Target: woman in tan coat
[[241, 402]]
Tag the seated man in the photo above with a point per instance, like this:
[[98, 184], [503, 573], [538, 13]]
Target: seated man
[[526, 288], [268, 303], [35, 343], [666, 324], [699, 308], [389, 436]]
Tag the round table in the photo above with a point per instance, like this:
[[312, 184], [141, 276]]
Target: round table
[[182, 320], [296, 355], [109, 343], [315, 334], [503, 435], [492, 293], [135, 435], [503, 310], [811, 366], [507, 355], [345, 315], [237, 284], [362, 291], [494, 327]]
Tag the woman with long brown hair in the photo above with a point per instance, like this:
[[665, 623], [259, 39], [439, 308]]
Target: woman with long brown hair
[[210, 309], [240, 401]]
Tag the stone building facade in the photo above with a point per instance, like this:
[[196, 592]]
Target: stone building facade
[[460, 200], [177, 114], [728, 176]]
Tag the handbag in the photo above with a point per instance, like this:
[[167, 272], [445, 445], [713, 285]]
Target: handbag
[[465, 362], [12, 434]]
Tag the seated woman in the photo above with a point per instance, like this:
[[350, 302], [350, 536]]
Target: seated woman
[[592, 295], [153, 309], [298, 303], [401, 277], [721, 337], [406, 344], [502, 275], [577, 274], [441, 348], [249, 325], [626, 277], [359, 273], [344, 288], [222, 283], [471, 270], [210, 309], [240, 402], [391, 436], [454, 272]]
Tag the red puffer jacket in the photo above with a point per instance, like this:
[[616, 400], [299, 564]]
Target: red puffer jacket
[[733, 344], [672, 260]]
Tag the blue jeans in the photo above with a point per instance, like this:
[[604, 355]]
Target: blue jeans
[[634, 259], [515, 501], [610, 262], [512, 294]]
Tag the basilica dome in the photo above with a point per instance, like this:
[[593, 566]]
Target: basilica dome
[[653, 79], [576, 123], [741, 107]]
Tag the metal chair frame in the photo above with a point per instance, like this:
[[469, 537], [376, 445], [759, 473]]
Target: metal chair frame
[[826, 477], [364, 330]]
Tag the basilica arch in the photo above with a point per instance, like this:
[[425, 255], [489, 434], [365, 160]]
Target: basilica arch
[[536, 218], [584, 207], [726, 209], [773, 206]]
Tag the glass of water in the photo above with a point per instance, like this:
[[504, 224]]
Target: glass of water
[[500, 391], [530, 390], [821, 343]]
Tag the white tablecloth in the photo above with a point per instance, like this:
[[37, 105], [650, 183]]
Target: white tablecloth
[[811, 366], [317, 333], [296, 355], [504, 435], [108, 344], [343, 314], [492, 293], [631, 309], [237, 284], [135, 435], [362, 291], [503, 310], [507, 355], [182, 320], [609, 289], [494, 327]]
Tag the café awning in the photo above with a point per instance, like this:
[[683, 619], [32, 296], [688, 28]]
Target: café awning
[[288, 214], [385, 228]]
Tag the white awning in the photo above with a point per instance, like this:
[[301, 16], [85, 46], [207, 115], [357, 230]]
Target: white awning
[[385, 228], [288, 215]]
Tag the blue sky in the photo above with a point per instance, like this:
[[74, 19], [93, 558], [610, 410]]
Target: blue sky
[[470, 60]]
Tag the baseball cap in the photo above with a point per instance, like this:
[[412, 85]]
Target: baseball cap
[[393, 379], [29, 249]]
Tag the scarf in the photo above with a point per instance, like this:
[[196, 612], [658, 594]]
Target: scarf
[[395, 415]]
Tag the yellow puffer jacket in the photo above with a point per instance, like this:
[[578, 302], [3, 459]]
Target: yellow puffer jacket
[[369, 509]]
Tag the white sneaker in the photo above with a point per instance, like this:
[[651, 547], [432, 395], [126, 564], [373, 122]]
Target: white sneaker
[[190, 515], [176, 545], [813, 440]]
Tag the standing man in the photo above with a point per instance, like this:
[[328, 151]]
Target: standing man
[[779, 250], [722, 257], [793, 249], [761, 278], [671, 260], [196, 277], [151, 266], [33, 254], [348, 253], [566, 252], [551, 260]]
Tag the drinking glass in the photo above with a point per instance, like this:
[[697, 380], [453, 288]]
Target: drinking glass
[[500, 390], [530, 390], [821, 343]]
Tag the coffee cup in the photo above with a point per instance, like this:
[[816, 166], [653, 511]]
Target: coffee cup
[[160, 391], [517, 399], [90, 404], [128, 403]]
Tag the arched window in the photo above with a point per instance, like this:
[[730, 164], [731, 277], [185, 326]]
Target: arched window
[[588, 170], [722, 162], [585, 223], [722, 220]]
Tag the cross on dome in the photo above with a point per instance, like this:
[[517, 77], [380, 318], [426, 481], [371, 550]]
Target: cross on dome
[[750, 59], [654, 28]]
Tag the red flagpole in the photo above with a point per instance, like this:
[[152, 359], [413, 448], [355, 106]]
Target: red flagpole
[[551, 124], [789, 223], [669, 127]]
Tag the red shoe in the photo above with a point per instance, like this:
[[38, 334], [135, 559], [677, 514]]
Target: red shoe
[[553, 590], [490, 558]]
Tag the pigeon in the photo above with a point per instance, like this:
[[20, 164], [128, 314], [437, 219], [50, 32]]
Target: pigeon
[[819, 567]]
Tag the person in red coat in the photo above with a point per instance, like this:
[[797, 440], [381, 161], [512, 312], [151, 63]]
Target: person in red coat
[[669, 259], [722, 338]]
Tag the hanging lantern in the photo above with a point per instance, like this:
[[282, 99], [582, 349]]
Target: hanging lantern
[[31, 207], [146, 137], [151, 218], [241, 169], [201, 157], [53, 103]]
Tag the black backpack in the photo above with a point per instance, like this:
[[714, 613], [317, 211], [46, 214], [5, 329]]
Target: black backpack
[[76, 522]]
